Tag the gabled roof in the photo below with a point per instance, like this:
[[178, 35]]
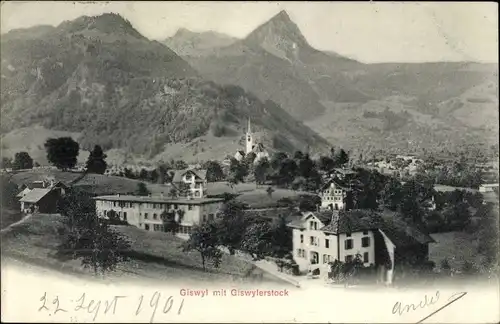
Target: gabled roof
[[397, 230], [350, 221], [23, 192], [338, 183], [344, 171], [35, 195], [199, 173]]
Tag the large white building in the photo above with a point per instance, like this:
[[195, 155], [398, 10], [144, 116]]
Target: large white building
[[145, 211], [323, 237], [334, 195]]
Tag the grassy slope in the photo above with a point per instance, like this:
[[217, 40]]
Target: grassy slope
[[102, 184], [156, 256], [32, 140], [99, 184], [457, 247]]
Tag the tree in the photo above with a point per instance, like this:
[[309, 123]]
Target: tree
[[249, 159], [22, 160], [257, 240], [86, 237], [214, 171], [326, 163], [180, 165], [281, 237], [9, 192], [62, 152], [238, 171], [287, 172], [261, 170], [231, 225], [6, 163], [96, 162], [306, 167], [270, 191], [142, 189], [342, 158], [143, 174], [170, 224], [203, 239]]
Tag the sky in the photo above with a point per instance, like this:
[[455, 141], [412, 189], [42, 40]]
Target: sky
[[368, 31]]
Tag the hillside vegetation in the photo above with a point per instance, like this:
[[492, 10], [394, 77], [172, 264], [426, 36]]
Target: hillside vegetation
[[99, 77]]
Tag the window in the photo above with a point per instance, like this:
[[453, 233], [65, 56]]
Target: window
[[190, 207], [124, 216], [348, 258], [365, 257], [327, 243], [348, 235], [204, 218], [146, 227], [158, 227], [301, 253], [365, 232], [176, 206], [313, 241], [301, 238], [155, 216], [325, 258], [145, 215], [348, 244], [197, 194], [365, 242]]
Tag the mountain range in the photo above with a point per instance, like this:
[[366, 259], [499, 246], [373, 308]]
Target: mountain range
[[100, 79], [190, 95], [388, 106]]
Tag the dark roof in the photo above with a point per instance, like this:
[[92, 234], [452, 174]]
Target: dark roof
[[242, 153], [325, 216], [344, 171], [350, 221], [397, 230], [338, 183], [202, 174], [274, 213], [159, 200]]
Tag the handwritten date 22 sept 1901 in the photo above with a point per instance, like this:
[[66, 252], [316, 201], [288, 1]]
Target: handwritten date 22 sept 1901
[[109, 306]]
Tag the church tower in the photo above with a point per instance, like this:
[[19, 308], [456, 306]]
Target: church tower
[[249, 139]]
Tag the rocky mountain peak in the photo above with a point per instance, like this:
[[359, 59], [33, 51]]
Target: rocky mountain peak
[[280, 36]]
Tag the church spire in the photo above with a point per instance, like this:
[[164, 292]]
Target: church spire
[[249, 130]]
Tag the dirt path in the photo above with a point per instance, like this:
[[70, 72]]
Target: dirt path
[[22, 220]]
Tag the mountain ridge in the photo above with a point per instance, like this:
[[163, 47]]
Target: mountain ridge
[[98, 77]]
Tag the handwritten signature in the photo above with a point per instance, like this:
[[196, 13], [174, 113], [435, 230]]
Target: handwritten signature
[[92, 306], [401, 309]]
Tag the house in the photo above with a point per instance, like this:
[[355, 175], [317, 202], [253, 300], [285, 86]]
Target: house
[[488, 187], [334, 194], [195, 179], [240, 155], [42, 200], [145, 211], [381, 240]]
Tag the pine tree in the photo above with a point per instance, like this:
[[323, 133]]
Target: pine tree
[[96, 162]]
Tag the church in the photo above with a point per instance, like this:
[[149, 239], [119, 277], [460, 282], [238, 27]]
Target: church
[[251, 146]]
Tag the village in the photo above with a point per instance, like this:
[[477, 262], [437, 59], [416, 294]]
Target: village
[[297, 219]]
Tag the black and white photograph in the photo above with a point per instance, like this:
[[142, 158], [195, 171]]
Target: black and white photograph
[[249, 162]]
